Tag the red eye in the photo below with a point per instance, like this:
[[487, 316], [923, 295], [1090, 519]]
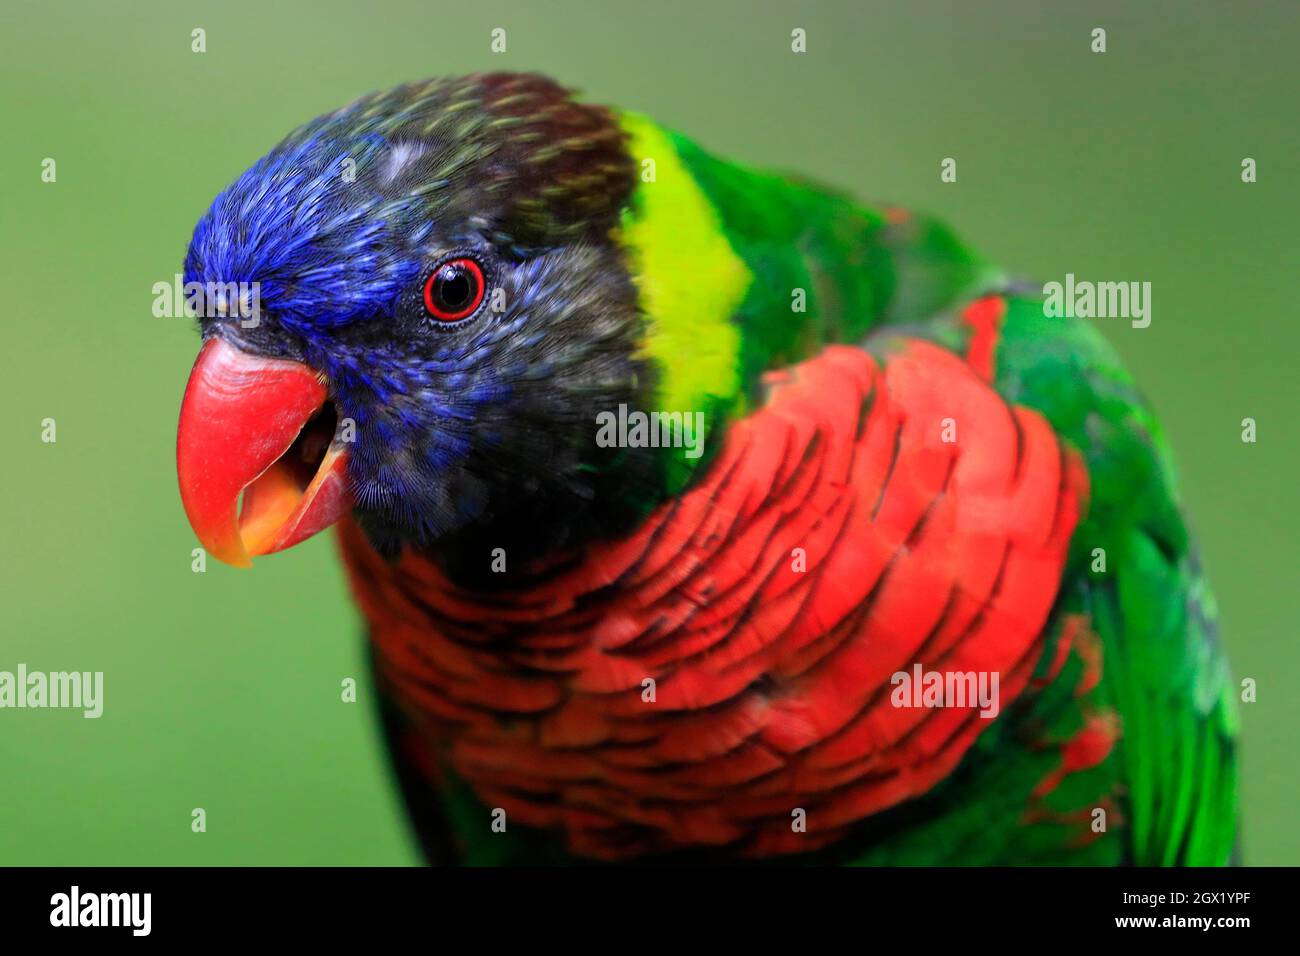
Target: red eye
[[454, 290]]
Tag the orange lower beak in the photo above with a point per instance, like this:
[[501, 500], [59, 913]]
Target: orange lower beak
[[264, 429]]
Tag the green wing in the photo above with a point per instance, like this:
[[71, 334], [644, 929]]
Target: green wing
[[1163, 670], [1169, 783]]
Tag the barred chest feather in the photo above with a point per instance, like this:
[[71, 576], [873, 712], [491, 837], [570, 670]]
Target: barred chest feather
[[729, 663]]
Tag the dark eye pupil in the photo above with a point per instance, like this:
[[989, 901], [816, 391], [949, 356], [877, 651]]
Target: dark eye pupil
[[454, 289]]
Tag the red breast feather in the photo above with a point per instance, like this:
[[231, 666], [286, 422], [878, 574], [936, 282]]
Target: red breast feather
[[772, 674]]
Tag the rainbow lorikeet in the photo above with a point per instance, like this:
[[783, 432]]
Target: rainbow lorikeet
[[701, 513]]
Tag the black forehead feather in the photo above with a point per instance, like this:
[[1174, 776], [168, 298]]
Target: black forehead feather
[[536, 165]]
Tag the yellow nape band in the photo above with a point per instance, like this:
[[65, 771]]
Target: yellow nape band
[[689, 279]]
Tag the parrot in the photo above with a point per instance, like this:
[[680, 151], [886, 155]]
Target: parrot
[[701, 513]]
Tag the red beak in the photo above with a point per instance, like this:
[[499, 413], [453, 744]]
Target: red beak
[[263, 428]]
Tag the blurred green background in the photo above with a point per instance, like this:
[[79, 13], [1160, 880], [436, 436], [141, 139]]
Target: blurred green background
[[222, 689]]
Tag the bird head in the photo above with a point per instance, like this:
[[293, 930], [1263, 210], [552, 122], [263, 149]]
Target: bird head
[[441, 306]]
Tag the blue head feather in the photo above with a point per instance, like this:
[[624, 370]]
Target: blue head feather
[[325, 251]]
